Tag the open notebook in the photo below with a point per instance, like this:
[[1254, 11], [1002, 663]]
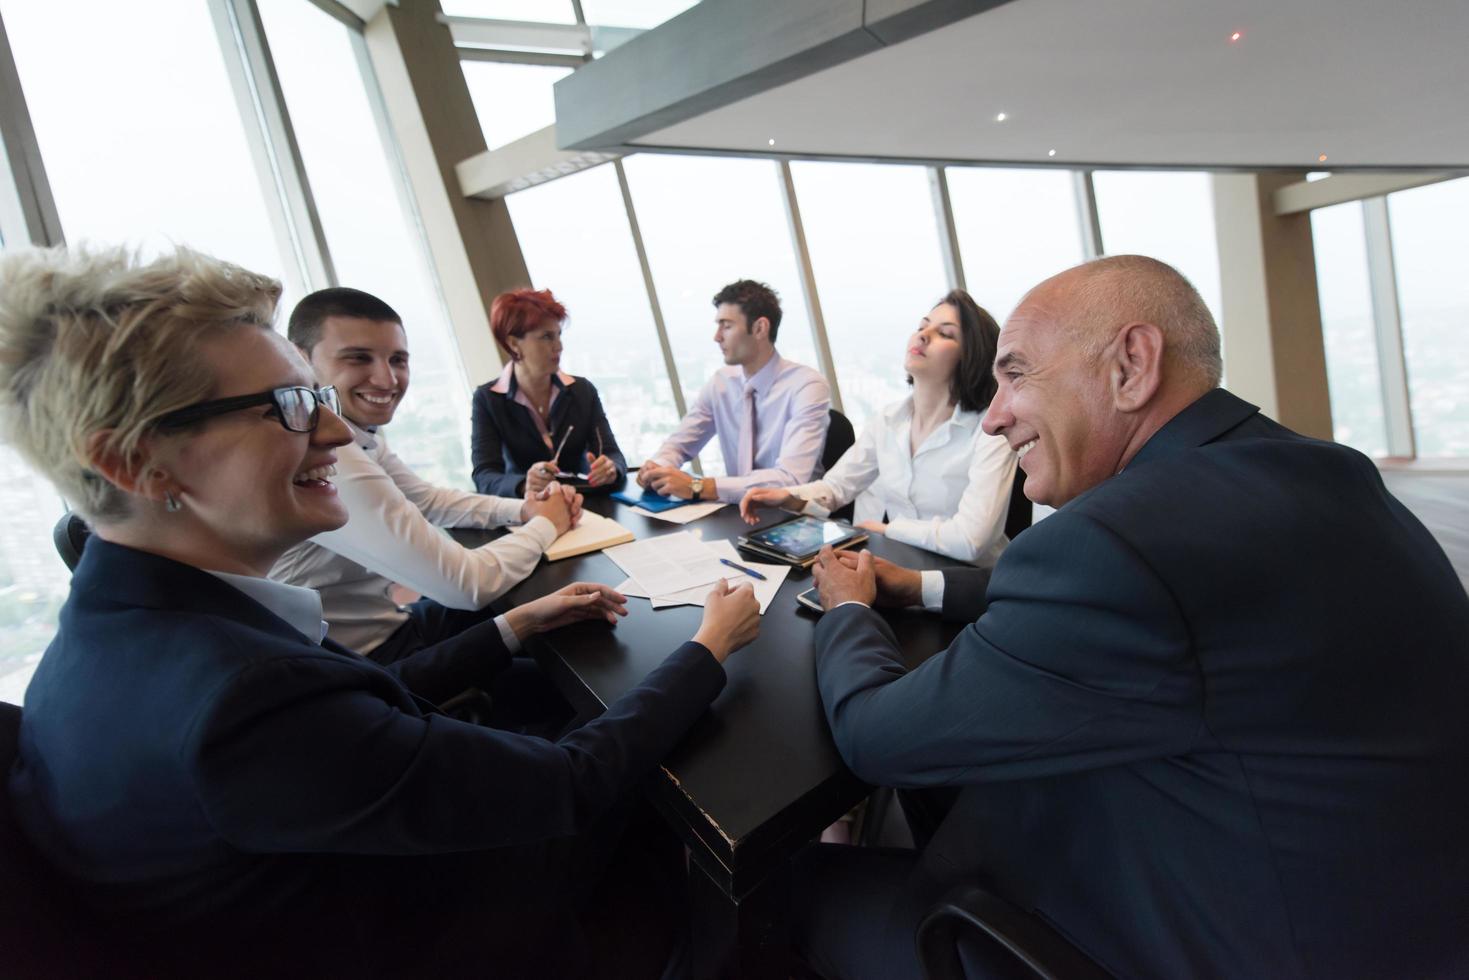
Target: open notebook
[[594, 533]]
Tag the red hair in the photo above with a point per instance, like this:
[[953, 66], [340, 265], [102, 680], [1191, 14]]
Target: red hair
[[518, 312]]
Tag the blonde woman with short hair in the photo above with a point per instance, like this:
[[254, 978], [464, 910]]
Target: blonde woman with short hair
[[195, 761]]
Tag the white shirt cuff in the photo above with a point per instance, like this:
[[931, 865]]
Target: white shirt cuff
[[512, 642], [933, 590], [541, 528], [851, 602]]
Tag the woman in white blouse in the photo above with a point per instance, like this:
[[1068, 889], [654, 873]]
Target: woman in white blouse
[[923, 471]]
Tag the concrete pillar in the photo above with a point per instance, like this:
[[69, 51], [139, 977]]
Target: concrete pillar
[[1273, 351], [471, 241]]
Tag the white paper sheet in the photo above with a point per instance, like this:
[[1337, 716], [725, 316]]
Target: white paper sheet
[[669, 563], [684, 514], [765, 591]]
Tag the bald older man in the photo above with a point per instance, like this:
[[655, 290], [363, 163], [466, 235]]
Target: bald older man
[[1209, 717]]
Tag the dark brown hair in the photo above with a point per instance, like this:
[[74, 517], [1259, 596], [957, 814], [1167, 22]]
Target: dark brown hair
[[973, 383]]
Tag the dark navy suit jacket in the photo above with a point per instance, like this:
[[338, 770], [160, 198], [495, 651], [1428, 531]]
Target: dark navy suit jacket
[[199, 767], [505, 443], [1209, 721]]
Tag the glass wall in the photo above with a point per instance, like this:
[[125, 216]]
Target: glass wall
[[1016, 228], [1430, 243], [370, 227], [707, 222], [874, 246], [1347, 329], [511, 100], [576, 241], [1169, 216]]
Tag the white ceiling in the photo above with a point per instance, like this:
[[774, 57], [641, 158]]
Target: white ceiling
[[1135, 82]]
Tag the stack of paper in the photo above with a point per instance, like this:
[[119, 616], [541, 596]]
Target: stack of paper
[[668, 563], [694, 595]]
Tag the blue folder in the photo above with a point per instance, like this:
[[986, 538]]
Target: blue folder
[[652, 502]]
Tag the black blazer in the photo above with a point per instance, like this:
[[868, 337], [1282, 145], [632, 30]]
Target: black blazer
[[205, 773], [505, 443], [1209, 720]]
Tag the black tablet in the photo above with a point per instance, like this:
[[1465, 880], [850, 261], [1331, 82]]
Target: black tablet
[[798, 540]]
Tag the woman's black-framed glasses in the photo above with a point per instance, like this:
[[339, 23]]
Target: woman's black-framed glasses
[[297, 407]]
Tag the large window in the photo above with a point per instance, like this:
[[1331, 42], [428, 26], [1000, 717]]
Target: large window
[[141, 138], [1168, 216], [512, 100], [1016, 228], [1430, 241], [576, 241], [707, 222], [874, 246], [370, 228], [139, 128], [1347, 328]]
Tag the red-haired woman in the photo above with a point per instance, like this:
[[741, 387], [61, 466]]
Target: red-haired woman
[[534, 419]]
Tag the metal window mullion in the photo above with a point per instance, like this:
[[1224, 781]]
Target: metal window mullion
[[808, 281], [1397, 409], [27, 209], [1087, 215], [272, 142], [943, 210]]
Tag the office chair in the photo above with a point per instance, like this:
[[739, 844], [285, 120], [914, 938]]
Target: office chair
[[44, 931], [839, 438], [997, 940], [70, 537]]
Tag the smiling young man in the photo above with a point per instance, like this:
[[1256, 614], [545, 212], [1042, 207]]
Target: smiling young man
[[770, 414], [356, 342], [1206, 719]]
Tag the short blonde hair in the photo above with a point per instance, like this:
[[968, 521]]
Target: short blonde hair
[[94, 339]]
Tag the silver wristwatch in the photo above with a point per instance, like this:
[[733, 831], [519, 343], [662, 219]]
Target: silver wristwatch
[[697, 486]]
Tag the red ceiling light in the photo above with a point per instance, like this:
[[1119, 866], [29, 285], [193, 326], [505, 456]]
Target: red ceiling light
[[1236, 36]]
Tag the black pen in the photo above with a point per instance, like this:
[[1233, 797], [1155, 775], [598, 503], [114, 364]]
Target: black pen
[[748, 571]]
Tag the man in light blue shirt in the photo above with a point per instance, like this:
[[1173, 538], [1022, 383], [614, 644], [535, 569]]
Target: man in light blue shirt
[[770, 414]]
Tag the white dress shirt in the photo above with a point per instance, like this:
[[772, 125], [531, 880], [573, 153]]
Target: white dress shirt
[[298, 606], [791, 402], [392, 535], [951, 496]]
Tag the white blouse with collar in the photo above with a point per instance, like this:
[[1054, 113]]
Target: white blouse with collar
[[951, 496]]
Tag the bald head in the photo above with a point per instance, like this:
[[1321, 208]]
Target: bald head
[[1097, 299], [1092, 363]]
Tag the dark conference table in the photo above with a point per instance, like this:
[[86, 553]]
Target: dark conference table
[[758, 776]]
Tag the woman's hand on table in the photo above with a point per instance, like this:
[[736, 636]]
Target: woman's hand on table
[[731, 619], [600, 470], [767, 497], [573, 604], [557, 504]]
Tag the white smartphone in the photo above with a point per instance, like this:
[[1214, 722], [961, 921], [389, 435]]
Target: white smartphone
[[810, 600]]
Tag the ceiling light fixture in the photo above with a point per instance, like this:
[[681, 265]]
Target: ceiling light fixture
[[1051, 153], [1001, 117], [772, 142], [1236, 36], [1321, 158]]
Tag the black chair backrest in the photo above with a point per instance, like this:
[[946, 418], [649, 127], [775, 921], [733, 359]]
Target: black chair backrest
[[971, 933], [44, 931], [839, 438], [70, 537], [1020, 514]]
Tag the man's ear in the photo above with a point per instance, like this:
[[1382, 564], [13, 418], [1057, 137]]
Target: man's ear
[[761, 327], [132, 472], [1137, 365]]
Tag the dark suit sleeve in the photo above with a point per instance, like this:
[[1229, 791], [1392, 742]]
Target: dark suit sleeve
[[320, 754], [1081, 660], [610, 448], [486, 452], [965, 593], [470, 659]]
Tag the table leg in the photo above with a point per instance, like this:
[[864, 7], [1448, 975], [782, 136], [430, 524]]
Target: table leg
[[744, 938]]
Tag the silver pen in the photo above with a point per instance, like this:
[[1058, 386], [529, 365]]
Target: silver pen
[[555, 463]]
